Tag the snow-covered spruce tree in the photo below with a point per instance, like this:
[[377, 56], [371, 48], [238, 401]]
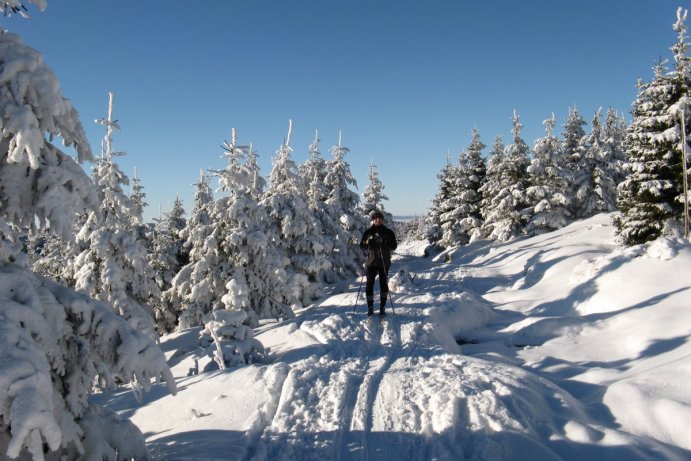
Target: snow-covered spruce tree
[[231, 341], [300, 235], [168, 253], [548, 193], [259, 282], [202, 283], [651, 197], [573, 135], [168, 256], [346, 258], [464, 221], [258, 182], [113, 265], [415, 229], [176, 223], [493, 181], [241, 266], [313, 173], [145, 232], [573, 148], [54, 343], [373, 196], [599, 193], [138, 198], [186, 295], [474, 174], [442, 203], [681, 110], [613, 140], [507, 212], [51, 256]]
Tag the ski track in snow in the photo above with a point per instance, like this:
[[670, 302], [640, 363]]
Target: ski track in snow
[[344, 416], [398, 389], [336, 405], [333, 416], [341, 387]]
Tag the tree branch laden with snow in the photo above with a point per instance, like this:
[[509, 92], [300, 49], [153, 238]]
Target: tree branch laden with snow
[[54, 344]]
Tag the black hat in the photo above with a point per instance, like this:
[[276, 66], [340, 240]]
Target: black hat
[[376, 214]]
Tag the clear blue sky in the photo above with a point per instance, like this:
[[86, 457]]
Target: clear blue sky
[[405, 81]]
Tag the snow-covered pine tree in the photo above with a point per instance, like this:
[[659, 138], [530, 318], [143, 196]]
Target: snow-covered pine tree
[[138, 198], [507, 213], [144, 231], [415, 229], [645, 198], [599, 193], [168, 256], [573, 135], [55, 343], [51, 256], [475, 173], [259, 281], [613, 138], [492, 184], [258, 181], [463, 221], [113, 265], [373, 196], [232, 343], [442, 202], [449, 220], [187, 285], [313, 171], [548, 193], [300, 236], [651, 197], [240, 265], [681, 109], [211, 264], [346, 257], [176, 224], [574, 149]]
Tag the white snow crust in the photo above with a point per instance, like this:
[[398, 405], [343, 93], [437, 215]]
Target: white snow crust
[[557, 347]]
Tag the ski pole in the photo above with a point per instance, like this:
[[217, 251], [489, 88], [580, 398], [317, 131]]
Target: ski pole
[[386, 274], [357, 298], [393, 308]]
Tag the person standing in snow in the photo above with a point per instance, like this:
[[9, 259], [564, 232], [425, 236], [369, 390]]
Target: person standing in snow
[[378, 241]]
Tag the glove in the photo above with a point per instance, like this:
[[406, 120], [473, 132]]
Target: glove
[[375, 239]]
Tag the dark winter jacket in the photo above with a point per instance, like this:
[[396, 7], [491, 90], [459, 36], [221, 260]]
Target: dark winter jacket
[[379, 242]]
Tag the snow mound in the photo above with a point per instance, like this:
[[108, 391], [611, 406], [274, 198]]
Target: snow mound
[[457, 407], [401, 281], [664, 248]]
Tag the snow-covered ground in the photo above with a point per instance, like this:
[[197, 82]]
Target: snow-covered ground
[[561, 346]]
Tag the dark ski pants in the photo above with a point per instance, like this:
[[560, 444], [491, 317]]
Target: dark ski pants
[[383, 273]]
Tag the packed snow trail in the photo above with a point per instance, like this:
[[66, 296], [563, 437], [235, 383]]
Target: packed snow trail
[[336, 386], [399, 389], [327, 401]]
